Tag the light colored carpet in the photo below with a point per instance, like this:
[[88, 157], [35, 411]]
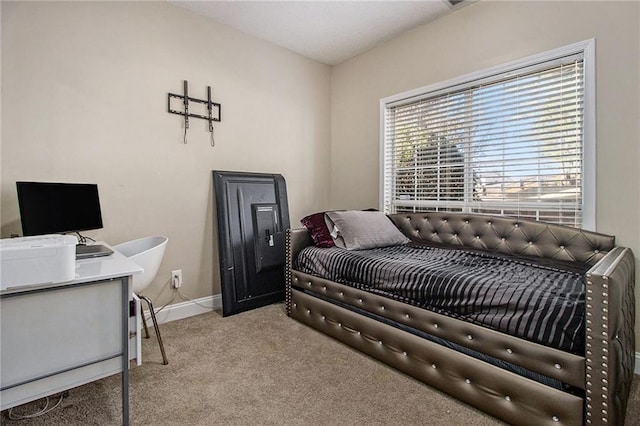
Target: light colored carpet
[[261, 368]]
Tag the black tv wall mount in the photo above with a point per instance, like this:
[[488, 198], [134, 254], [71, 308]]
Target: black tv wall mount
[[210, 105]]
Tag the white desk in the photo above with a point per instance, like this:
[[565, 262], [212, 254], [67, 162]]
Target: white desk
[[59, 336]]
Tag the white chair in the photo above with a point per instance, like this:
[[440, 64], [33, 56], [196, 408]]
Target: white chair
[[146, 252]]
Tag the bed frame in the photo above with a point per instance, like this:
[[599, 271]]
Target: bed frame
[[376, 325]]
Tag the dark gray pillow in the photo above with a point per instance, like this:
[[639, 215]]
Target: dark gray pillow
[[360, 230]]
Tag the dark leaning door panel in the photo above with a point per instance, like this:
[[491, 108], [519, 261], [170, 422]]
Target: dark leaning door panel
[[253, 216]]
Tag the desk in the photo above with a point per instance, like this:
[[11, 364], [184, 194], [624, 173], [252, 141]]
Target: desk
[[59, 336]]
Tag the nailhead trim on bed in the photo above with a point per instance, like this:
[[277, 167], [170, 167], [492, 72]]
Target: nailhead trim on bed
[[287, 273], [562, 366], [610, 318], [503, 394], [505, 235]]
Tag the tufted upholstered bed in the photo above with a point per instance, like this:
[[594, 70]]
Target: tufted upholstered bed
[[479, 365]]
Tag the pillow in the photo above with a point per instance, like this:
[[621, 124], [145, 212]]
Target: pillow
[[318, 229], [360, 230]]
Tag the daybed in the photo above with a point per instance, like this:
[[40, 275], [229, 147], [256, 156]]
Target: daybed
[[516, 379]]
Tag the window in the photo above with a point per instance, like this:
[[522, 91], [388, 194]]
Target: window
[[515, 140]]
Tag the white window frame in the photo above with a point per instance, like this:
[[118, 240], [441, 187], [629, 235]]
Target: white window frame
[[587, 48]]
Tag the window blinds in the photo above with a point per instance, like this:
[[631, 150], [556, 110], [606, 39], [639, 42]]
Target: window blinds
[[509, 144]]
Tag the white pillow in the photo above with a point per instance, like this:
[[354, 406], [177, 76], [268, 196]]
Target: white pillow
[[360, 230]]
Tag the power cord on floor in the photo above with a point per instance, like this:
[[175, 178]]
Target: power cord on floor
[[173, 298], [190, 299], [43, 411], [177, 292]]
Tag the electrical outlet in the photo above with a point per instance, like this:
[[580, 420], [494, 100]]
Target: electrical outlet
[[176, 278]]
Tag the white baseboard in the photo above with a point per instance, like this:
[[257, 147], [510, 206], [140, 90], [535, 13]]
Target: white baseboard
[[636, 369], [186, 309]]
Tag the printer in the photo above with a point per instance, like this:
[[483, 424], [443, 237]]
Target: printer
[[42, 259]]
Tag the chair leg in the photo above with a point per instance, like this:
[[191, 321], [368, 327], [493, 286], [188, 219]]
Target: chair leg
[[144, 321], [155, 325]]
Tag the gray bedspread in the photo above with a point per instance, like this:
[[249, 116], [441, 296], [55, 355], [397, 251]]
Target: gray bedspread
[[540, 303]]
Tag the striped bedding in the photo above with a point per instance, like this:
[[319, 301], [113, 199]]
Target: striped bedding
[[539, 303]]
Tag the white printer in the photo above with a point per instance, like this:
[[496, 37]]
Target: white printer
[[42, 259]]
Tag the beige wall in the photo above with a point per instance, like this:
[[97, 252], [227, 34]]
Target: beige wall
[[480, 36], [84, 99], [84, 95]]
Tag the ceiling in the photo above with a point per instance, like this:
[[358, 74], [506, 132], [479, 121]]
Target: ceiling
[[329, 32]]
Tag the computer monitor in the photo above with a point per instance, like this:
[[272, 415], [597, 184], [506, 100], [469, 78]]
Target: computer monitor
[[55, 208]]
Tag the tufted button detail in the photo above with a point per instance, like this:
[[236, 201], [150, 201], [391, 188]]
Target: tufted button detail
[[404, 353], [435, 325], [516, 225], [323, 317], [596, 251], [470, 337], [507, 398], [467, 381], [509, 351], [558, 366], [466, 221], [530, 243], [379, 342], [455, 235], [433, 366], [295, 305], [382, 308], [555, 418], [445, 221], [561, 247], [477, 237], [406, 315], [360, 300]]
